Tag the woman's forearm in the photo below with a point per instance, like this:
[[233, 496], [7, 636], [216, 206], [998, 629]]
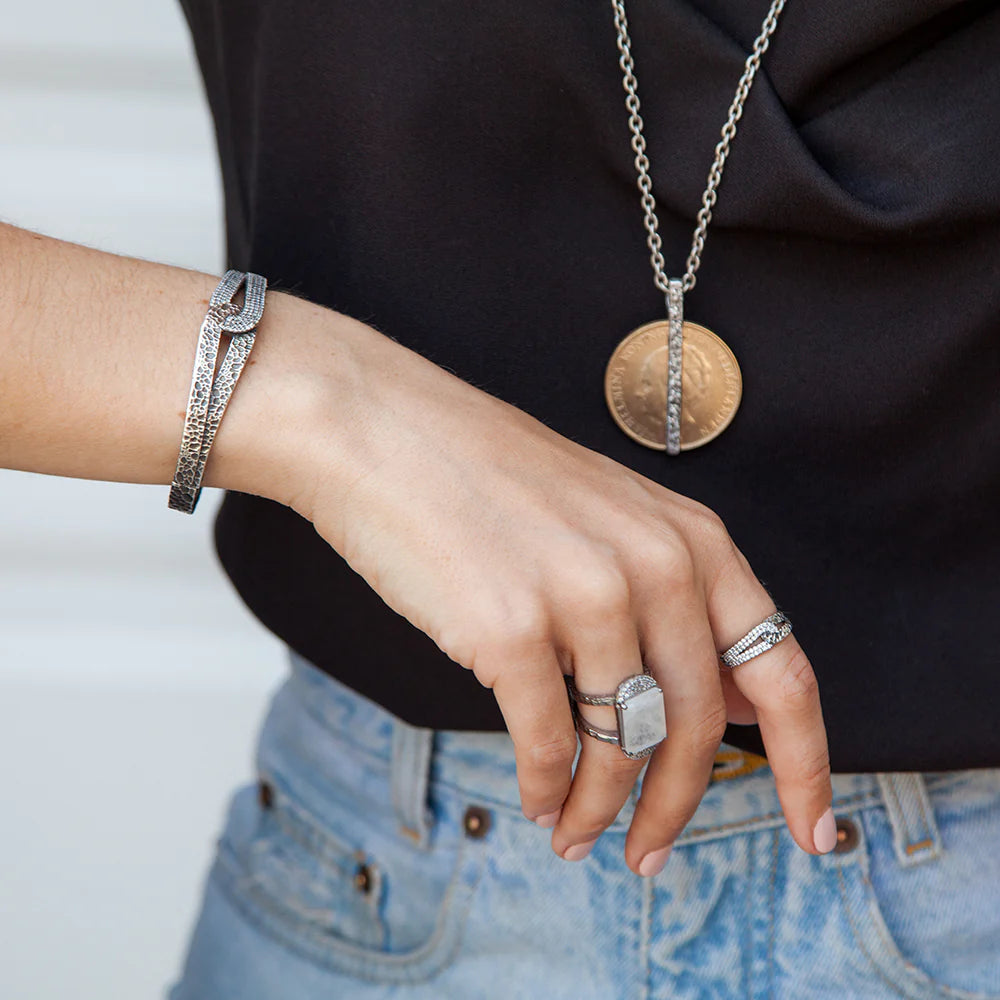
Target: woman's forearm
[[95, 365]]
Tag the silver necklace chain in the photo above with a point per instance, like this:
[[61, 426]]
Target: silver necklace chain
[[635, 125]]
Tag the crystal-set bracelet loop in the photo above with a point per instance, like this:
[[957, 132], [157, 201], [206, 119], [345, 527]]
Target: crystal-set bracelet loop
[[210, 392]]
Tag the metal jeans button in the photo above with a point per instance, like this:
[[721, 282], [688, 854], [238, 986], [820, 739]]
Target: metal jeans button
[[477, 821], [847, 835], [265, 794], [363, 878]]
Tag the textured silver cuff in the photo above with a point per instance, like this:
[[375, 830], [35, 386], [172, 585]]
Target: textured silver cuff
[[210, 393]]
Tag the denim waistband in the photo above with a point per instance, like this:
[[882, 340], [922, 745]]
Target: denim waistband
[[481, 766]]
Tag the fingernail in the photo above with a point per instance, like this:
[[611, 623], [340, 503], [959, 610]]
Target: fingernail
[[578, 851], [652, 863], [549, 820], [825, 832]]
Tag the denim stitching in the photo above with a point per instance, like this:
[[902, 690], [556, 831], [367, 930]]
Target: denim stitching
[[342, 956], [748, 930], [895, 809], [858, 799], [412, 750], [773, 901], [868, 798], [922, 805], [932, 842], [904, 847], [697, 831], [863, 945], [928, 985], [645, 943], [303, 828]]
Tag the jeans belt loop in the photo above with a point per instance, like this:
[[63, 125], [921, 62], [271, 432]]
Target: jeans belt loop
[[915, 835], [412, 748]]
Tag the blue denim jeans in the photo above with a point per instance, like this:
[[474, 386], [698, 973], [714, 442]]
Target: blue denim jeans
[[375, 859]]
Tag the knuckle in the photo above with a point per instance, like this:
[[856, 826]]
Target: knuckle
[[708, 524], [798, 684], [663, 820], [495, 633], [603, 589], [518, 627], [814, 770], [711, 536], [555, 754], [579, 829], [705, 735], [675, 564], [619, 767], [459, 642]]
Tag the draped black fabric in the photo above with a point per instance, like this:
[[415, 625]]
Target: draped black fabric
[[458, 174]]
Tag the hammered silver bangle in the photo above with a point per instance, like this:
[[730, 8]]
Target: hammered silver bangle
[[210, 392]]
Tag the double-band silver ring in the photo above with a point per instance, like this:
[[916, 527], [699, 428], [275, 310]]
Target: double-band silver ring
[[638, 702]]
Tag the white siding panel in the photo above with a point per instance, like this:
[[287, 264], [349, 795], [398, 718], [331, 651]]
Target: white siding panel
[[131, 677]]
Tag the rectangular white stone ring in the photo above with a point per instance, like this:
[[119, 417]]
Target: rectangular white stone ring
[[642, 720]]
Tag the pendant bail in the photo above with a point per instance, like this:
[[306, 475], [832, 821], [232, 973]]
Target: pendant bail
[[675, 361]]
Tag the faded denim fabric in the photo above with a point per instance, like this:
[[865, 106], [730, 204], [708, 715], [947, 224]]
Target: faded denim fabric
[[377, 860]]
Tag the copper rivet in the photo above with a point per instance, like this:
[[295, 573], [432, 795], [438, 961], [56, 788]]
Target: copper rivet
[[363, 878], [477, 821], [265, 794], [847, 836]]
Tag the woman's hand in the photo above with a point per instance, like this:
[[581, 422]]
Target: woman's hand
[[522, 554], [525, 556]]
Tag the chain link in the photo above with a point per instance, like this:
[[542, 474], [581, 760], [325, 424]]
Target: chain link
[[635, 124]]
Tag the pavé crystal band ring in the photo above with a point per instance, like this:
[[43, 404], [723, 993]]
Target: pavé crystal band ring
[[642, 721], [758, 640]]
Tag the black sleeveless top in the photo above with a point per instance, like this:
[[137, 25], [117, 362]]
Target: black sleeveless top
[[458, 174]]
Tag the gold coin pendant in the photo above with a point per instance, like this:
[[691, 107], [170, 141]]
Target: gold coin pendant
[[635, 385]]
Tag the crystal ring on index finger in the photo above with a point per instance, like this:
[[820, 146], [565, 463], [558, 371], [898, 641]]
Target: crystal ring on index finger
[[638, 703], [758, 640]]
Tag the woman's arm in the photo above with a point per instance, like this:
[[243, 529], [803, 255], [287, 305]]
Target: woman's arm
[[95, 364], [522, 554]]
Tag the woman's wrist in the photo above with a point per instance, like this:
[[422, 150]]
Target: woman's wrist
[[96, 354], [304, 408]]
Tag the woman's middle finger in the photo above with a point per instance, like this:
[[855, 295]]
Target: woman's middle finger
[[681, 652], [605, 652]]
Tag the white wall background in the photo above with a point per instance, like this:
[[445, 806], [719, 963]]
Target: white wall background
[[122, 730]]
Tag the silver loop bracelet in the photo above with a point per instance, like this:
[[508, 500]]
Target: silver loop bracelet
[[210, 392]]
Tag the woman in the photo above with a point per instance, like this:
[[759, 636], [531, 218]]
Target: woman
[[461, 178]]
